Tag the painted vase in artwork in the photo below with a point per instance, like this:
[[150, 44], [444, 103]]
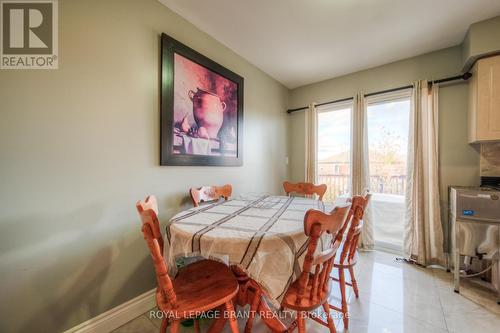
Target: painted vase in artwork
[[208, 111]]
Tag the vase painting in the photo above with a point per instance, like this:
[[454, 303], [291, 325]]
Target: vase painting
[[201, 109], [205, 110]]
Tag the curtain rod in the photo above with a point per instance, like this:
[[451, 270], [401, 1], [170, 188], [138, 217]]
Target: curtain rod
[[464, 76]]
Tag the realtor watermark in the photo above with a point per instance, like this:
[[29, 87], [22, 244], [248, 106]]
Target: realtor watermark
[[217, 314], [29, 34]]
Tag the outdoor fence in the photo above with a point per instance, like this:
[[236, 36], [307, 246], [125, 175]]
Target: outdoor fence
[[339, 184]]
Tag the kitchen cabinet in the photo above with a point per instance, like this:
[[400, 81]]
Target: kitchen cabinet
[[484, 101]]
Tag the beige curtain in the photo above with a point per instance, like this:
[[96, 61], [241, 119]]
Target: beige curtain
[[423, 240], [311, 124], [360, 165]]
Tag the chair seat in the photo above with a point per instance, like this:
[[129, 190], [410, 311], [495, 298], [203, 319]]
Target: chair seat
[[307, 303], [200, 286], [346, 263]]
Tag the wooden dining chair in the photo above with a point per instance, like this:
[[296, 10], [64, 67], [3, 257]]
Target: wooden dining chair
[[312, 288], [305, 189], [209, 193], [347, 254], [198, 287]]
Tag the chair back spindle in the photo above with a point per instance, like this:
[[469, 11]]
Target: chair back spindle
[[316, 269], [355, 226], [150, 203], [151, 229]]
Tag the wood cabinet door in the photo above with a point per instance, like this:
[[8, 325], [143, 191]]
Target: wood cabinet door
[[488, 99]]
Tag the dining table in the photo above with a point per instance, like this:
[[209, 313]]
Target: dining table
[[260, 236]]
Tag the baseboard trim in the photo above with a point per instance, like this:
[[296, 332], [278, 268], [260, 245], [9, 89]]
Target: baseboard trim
[[117, 316]]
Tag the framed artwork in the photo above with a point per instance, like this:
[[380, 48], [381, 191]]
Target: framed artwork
[[201, 109]]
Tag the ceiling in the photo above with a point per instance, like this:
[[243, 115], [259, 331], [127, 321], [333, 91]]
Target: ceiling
[[298, 42]]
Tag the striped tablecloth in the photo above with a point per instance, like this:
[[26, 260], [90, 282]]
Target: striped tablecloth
[[262, 234]]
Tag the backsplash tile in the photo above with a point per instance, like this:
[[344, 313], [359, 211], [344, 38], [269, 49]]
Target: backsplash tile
[[490, 159]]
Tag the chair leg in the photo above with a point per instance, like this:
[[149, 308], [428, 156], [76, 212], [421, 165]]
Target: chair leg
[[232, 317], [175, 326], [253, 309], [354, 282], [329, 319], [196, 325], [301, 322], [220, 321], [344, 299], [164, 324], [217, 326]]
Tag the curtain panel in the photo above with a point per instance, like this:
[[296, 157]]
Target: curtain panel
[[311, 145], [423, 239], [360, 166]]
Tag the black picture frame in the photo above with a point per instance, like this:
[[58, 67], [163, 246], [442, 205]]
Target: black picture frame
[[169, 47]]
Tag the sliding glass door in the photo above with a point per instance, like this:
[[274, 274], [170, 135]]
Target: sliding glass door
[[334, 149], [388, 126]]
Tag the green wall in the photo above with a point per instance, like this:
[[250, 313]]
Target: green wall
[[483, 38], [80, 145]]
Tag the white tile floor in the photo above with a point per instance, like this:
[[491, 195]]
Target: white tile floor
[[394, 297]]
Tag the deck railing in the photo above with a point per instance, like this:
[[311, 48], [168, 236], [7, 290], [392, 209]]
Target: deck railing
[[339, 184]]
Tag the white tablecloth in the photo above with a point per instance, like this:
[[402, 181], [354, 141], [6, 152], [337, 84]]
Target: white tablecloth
[[263, 235]]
